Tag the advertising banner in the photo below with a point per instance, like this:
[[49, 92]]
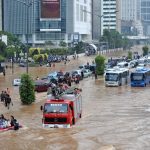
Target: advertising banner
[[50, 8]]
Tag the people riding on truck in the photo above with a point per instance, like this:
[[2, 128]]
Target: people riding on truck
[[63, 107]]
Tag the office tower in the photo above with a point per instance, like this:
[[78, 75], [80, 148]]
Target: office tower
[[109, 12], [1, 15], [145, 16], [96, 19], [130, 16], [48, 20]]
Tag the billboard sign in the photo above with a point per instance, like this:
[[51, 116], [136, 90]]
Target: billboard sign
[[50, 9], [76, 38]]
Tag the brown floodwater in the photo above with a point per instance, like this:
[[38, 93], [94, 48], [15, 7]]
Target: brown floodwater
[[117, 116]]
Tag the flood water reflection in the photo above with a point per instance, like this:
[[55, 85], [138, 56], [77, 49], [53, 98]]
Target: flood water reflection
[[117, 116]]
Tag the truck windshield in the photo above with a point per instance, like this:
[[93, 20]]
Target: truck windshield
[[137, 77], [56, 108], [111, 77]]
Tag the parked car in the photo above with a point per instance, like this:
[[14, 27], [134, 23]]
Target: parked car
[[55, 75], [81, 66], [16, 82], [76, 73], [22, 64], [42, 85], [87, 73]]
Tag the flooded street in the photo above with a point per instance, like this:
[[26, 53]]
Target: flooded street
[[117, 116]]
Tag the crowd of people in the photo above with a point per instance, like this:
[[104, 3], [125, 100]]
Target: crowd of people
[[8, 123], [5, 98]]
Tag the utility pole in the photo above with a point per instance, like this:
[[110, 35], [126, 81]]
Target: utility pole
[[100, 17], [28, 4]]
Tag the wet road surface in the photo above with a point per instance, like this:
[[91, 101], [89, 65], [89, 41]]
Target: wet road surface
[[117, 116]]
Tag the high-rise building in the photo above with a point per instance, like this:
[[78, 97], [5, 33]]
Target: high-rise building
[[1, 17], [48, 20], [96, 19], [145, 15], [109, 12], [130, 16], [129, 9]]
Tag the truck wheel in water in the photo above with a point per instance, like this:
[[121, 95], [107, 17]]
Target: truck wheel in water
[[80, 116], [73, 121]]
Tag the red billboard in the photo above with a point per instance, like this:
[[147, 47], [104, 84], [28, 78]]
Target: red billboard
[[50, 8]]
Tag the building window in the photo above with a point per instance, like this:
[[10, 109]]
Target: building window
[[81, 13], [85, 14], [77, 12]]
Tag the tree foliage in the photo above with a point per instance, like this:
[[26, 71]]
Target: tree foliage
[[79, 48], [129, 55], [26, 90], [62, 44], [2, 48], [145, 50], [2, 59], [11, 39], [100, 64], [50, 43], [114, 39]]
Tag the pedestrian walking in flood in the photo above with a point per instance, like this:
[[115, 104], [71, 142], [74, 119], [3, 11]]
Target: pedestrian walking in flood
[[95, 75], [82, 74], [8, 101], [2, 96], [8, 91]]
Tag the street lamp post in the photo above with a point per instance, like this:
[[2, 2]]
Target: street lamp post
[[27, 36], [100, 17], [28, 4]]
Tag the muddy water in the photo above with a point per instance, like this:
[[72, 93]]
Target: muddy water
[[111, 116]]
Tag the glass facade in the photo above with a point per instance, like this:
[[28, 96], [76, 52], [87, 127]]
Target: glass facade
[[58, 24], [15, 20], [145, 16], [145, 10]]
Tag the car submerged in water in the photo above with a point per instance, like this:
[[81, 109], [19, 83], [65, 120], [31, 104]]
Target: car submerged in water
[[42, 85], [16, 82]]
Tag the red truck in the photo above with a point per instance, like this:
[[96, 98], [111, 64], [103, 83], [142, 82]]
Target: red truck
[[62, 112]]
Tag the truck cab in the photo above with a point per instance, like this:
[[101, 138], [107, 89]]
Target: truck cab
[[62, 112]]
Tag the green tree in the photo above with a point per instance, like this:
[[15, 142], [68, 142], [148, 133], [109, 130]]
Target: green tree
[[50, 43], [2, 48], [145, 50], [12, 39], [114, 39], [100, 64], [26, 90], [2, 59], [129, 55], [62, 44], [79, 48], [10, 51]]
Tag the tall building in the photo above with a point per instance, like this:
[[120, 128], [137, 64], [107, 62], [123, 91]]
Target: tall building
[[109, 15], [48, 20], [130, 16], [129, 9], [1, 15], [145, 15], [96, 19]]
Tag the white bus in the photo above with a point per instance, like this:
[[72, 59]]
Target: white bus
[[117, 77]]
